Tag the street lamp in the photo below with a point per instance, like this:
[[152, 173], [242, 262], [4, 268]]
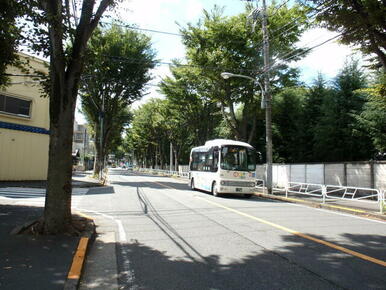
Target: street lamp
[[268, 124], [227, 75]]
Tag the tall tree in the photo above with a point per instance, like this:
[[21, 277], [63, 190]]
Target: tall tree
[[338, 136], [61, 36], [288, 128], [312, 114], [360, 22], [217, 44], [116, 71], [148, 136], [373, 117], [189, 100]]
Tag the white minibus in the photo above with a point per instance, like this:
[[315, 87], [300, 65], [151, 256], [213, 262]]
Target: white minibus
[[223, 166]]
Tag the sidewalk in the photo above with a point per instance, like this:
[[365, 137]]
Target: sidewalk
[[79, 180], [37, 262], [370, 210]]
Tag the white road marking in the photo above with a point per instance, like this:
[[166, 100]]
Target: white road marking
[[127, 272]]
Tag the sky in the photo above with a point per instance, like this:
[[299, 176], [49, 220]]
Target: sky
[[167, 15]]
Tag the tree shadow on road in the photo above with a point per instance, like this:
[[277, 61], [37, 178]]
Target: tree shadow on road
[[196, 261], [300, 266]]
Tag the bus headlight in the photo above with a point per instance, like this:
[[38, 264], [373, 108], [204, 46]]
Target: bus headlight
[[222, 182]]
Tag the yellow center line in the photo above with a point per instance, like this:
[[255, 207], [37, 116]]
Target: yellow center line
[[288, 230]]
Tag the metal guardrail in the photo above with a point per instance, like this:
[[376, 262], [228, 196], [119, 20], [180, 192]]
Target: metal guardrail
[[341, 193], [164, 172]]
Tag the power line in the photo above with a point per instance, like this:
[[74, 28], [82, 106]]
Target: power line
[[213, 68], [279, 7], [292, 24], [143, 29], [274, 65]]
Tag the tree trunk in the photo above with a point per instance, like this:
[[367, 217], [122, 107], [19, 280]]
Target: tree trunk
[[175, 160], [98, 154], [57, 211]]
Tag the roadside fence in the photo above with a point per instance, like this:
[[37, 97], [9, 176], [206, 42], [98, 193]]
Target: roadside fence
[[324, 192], [338, 193]]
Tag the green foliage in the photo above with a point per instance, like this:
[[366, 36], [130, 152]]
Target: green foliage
[[112, 81], [189, 105], [217, 44], [317, 94], [10, 35], [361, 22], [338, 137], [373, 117], [147, 136], [288, 128]]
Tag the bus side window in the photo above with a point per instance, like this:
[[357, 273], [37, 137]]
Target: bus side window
[[208, 161], [195, 161], [215, 159]]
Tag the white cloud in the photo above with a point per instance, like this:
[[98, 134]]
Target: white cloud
[[327, 59], [158, 73]]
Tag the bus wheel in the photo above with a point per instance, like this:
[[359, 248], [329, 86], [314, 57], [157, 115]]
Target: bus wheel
[[214, 189], [192, 184]]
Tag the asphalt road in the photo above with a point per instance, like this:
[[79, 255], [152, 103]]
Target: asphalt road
[[156, 233]]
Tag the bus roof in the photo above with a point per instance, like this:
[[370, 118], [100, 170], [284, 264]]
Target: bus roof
[[220, 142]]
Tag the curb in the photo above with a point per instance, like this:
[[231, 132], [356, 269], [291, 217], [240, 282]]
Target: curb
[[76, 269], [348, 210]]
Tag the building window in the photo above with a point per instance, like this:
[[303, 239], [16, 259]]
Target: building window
[[15, 106]]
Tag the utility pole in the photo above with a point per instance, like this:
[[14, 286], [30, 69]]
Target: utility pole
[[84, 147], [267, 99], [171, 157], [101, 161]]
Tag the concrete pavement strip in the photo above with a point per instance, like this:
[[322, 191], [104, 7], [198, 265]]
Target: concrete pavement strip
[[348, 210], [101, 266]]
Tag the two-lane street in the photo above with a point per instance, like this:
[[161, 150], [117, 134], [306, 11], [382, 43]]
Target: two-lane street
[[170, 237]]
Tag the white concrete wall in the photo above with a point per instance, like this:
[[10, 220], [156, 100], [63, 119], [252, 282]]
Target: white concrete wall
[[280, 175], [260, 171], [380, 176], [298, 173], [358, 174], [315, 173], [334, 174]]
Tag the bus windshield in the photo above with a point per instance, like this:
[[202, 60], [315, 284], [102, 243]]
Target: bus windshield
[[238, 158]]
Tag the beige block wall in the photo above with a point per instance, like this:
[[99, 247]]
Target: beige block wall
[[23, 155]]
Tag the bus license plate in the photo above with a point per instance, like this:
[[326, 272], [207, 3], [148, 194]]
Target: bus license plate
[[238, 189]]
